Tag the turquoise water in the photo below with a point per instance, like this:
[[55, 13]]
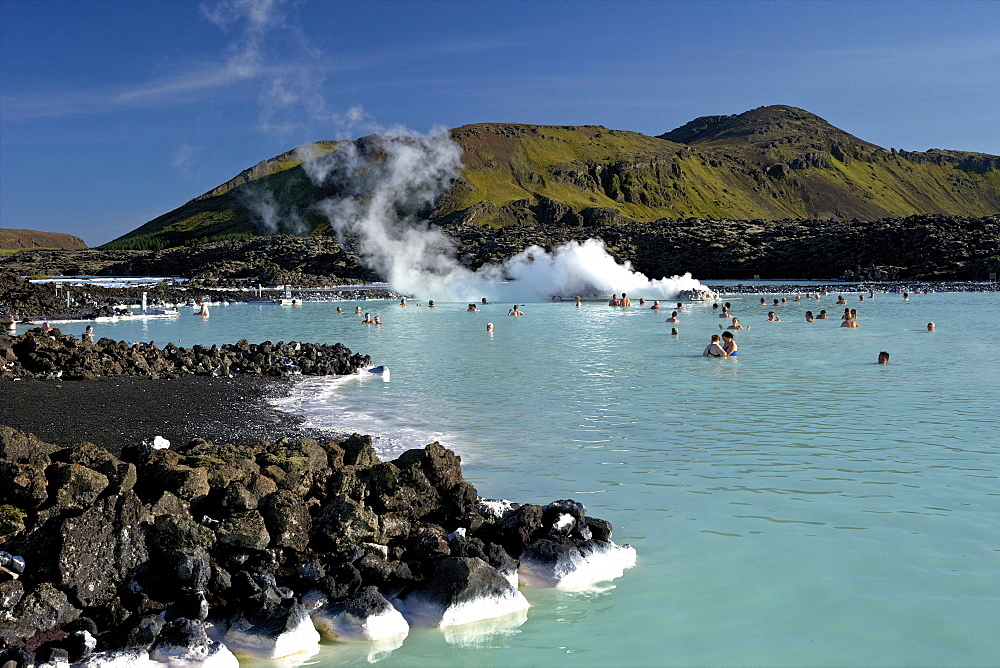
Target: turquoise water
[[797, 505]]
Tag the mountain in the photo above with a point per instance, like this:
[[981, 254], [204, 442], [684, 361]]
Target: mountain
[[771, 163], [16, 240]]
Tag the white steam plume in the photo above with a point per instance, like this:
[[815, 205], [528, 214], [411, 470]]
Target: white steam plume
[[269, 213], [386, 181]]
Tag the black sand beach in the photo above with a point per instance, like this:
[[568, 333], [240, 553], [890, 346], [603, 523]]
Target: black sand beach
[[115, 411]]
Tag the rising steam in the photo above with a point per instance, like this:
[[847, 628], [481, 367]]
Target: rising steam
[[386, 182]]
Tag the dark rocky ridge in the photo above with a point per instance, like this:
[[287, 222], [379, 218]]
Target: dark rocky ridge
[[928, 247], [915, 248], [139, 550], [41, 354]]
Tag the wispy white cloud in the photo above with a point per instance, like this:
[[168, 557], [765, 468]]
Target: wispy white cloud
[[268, 57], [183, 159]]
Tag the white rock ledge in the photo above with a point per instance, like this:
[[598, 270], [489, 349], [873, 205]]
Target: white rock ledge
[[347, 627], [247, 642], [595, 561]]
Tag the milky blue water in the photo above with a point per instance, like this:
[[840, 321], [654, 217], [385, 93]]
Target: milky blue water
[[798, 505]]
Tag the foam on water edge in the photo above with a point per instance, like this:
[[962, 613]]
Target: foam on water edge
[[600, 562], [420, 612], [321, 403], [485, 633]]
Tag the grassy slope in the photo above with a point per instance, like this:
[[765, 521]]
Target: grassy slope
[[719, 178]]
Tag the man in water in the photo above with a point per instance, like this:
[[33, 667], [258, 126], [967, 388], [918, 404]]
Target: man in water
[[673, 317], [930, 327], [614, 300], [883, 357], [772, 317], [489, 327], [515, 311], [625, 302]]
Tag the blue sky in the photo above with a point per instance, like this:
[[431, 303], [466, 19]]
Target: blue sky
[[112, 113]]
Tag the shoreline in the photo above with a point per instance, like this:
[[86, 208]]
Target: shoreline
[[116, 411]]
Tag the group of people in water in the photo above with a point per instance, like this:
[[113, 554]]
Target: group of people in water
[[720, 345], [725, 346], [369, 319]]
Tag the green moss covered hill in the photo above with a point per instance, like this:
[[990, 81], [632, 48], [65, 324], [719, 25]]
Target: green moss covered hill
[[771, 163]]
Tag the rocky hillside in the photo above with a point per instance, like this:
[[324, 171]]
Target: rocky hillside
[[913, 248], [771, 163], [15, 240]]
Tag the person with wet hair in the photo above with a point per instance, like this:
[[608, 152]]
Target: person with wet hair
[[729, 344], [714, 348]]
